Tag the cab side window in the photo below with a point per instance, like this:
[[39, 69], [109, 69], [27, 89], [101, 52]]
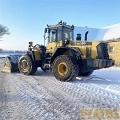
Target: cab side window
[[52, 36], [59, 35]]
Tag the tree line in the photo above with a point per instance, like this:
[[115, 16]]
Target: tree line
[[3, 30], [12, 51]]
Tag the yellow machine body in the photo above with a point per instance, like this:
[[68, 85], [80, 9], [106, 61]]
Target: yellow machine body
[[87, 49]]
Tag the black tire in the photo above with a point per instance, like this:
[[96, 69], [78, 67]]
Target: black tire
[[64, 69], [85, 73], [26, 65]]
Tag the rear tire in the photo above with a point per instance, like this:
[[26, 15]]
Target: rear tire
[[85, 73], [26, 65], [64, 69]]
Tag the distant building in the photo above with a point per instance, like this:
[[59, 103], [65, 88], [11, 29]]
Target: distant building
[[114, 50]]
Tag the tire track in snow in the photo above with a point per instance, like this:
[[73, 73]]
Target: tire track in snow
[[27, 99], [104, 94], [51, 96], [91, 99], [40, 97], [44, 109]]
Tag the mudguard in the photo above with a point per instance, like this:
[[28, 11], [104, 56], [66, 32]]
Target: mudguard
[[60, 51]]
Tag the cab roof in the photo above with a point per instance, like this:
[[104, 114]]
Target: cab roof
[[60, 24]]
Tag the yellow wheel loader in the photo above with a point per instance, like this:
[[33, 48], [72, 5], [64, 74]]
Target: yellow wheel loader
[[64, 56]]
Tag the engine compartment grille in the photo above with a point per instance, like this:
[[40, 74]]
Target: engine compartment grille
[[102, 49]]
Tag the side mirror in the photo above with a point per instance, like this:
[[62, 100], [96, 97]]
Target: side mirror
[[45, 30], [72, 27], [48, 30]]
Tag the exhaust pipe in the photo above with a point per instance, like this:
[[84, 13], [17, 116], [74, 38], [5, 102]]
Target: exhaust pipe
[[86, 35]]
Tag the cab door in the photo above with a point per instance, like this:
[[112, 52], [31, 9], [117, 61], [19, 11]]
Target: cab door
[[54, 40]]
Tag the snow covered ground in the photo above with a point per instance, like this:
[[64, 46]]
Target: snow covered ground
[[112, 73], [107, 79], [42, 97]]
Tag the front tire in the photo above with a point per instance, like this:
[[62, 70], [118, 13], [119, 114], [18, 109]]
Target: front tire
[[64, 69], [26, 65]]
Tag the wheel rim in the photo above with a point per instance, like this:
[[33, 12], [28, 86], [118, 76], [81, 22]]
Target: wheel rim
[[62, 69], [24, 65]]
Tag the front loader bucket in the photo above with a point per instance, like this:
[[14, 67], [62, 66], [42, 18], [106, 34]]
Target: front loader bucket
[[11, 64]]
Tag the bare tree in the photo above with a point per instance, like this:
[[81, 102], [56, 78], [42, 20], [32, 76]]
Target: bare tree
[[4, 30]]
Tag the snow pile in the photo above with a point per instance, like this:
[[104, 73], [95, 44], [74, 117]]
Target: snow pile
[[109, 32], [106, 33]]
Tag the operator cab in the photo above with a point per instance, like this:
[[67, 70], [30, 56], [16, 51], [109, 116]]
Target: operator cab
[[59, 35]]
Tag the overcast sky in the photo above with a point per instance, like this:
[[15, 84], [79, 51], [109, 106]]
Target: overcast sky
[[27, 19]]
